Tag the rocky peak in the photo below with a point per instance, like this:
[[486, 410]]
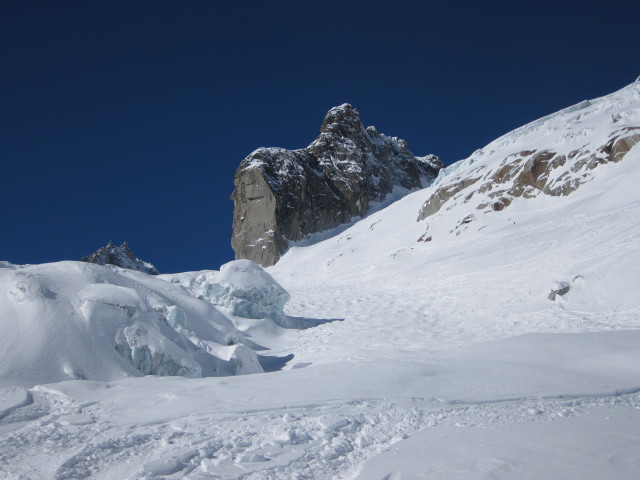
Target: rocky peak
[[282, 196], [121, 256], [343, 121]]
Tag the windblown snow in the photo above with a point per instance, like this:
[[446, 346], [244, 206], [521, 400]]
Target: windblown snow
[[476, 343]]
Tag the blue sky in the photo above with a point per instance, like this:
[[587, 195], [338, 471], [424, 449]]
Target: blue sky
[[125, 120]]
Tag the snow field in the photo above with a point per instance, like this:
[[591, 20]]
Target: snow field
[[490, 282], [326, 422]]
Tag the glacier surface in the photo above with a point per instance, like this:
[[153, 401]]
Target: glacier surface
[[451, 362]]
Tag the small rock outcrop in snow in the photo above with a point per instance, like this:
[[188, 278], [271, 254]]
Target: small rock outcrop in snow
[[560, 289], [121, 256], [282, 196], [551, 156]]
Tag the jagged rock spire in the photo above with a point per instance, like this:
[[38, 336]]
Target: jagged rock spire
[[343, 121], [121, 256], [282, 196]]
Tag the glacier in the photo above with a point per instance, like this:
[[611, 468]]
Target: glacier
[[451, 360]]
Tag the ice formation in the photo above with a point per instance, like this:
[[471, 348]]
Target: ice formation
[[241, 287], [73, 320]]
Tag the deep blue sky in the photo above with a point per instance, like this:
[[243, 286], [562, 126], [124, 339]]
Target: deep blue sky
[[125, 120]]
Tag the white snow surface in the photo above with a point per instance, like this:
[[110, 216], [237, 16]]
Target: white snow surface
[[451, 360], [76, 320]]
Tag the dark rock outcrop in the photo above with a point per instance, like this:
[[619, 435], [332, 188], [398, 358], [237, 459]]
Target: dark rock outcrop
[[282, 196], [560, 290], [121, 256]]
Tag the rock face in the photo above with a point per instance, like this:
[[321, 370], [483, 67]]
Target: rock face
[[552, 156], [282, 196], [121, 256]]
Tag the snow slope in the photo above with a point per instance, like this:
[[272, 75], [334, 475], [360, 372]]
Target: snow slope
[[488, 278], [490, 282], [451, 360]]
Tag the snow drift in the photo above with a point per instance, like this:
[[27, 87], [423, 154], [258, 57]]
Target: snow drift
[[73, 320]]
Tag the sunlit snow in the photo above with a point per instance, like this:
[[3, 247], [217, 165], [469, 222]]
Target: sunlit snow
[[452, 359]]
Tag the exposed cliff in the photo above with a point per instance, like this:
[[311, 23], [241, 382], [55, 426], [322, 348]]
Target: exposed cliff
[[282, 196]]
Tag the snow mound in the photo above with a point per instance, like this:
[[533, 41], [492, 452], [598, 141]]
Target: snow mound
[[241, 287], [73, 320]]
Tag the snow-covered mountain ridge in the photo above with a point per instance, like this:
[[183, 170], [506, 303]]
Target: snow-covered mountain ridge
[[553, 155]]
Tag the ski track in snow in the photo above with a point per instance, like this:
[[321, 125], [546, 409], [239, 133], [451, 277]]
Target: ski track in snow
[[310, 441]]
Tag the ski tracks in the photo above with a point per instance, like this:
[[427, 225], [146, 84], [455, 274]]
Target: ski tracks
[[55, 437]]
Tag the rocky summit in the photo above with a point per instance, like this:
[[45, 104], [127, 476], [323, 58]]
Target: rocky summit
[[121, 256], [283, 196]]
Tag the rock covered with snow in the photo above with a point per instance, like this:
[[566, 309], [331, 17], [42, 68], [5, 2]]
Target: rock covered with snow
[[551, 156], [75, 320], [121, 256], [241, 287], [282, 196]]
